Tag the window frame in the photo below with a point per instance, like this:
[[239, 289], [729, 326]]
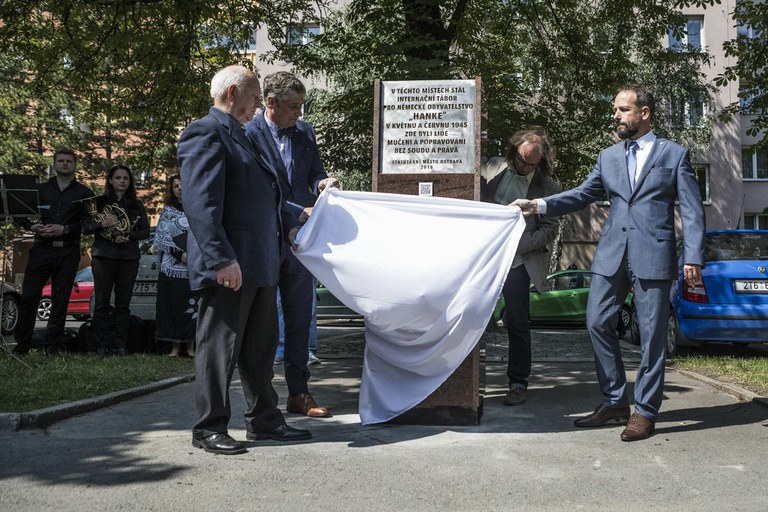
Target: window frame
[[683, 44], [753, 155], [305, 32]]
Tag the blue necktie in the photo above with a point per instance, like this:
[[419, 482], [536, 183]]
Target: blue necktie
[[632, 162]]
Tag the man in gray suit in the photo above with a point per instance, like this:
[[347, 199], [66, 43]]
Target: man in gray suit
[[524, 173], [237, 223], [643, 176]]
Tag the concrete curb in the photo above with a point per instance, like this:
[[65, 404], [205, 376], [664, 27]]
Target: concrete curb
[[742, 394], [43, 417]]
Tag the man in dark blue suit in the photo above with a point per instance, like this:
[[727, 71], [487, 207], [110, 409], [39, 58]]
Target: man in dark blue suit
[[644, 175], [237, 222], [291, 148]]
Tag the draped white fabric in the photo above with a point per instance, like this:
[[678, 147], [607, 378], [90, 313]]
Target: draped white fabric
[[425, 273]]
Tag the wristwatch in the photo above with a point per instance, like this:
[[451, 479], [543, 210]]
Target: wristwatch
[[66, 229]]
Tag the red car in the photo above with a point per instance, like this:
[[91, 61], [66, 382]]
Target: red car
[[79, 298]]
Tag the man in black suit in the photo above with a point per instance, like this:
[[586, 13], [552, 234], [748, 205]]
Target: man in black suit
[[55, 254], [237, 222], [292, 150]]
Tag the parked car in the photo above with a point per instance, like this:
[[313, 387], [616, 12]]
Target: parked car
[[731, 302], [79, 297], [331, 308], [10, 308], [564, 302]]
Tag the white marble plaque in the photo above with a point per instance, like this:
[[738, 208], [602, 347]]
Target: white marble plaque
[[428, 126]]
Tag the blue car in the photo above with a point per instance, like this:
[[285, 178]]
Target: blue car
[[731, 302]]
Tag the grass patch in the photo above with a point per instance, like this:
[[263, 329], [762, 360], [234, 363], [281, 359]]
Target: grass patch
[[750, 373], [72, 377]]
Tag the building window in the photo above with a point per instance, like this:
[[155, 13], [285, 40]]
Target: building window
[[688, 38], [754, 164], [747, 31], [702, 178], [303, 34], [755, 221], [686, 110], [749, 97], [143, 178]]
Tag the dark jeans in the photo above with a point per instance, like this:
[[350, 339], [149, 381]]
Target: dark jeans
[[119, 275], [517, 300], [59, 264]]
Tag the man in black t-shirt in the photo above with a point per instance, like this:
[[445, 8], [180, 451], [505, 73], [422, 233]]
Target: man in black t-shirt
[[55, 254]]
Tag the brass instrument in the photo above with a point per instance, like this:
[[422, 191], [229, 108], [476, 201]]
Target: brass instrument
[[123, 226]]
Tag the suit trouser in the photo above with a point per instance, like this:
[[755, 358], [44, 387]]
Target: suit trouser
[[296, 292], [236, 328], [606, 295], [59, 264], [517, 300]]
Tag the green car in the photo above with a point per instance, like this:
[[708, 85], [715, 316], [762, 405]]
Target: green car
[[564, 303]]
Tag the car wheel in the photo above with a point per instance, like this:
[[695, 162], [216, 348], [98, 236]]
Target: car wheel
[[10, 314], [634, 328], [675, 337], [44, 308]]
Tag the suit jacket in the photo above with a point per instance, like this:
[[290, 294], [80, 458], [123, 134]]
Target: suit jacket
[[539, 232], [642, 221], [301, 190], [233, 202]]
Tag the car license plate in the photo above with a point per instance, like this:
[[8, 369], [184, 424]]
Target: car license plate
[[145, 288], [751, 285]]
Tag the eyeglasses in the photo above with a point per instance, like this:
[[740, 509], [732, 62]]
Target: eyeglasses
[[528, 165]]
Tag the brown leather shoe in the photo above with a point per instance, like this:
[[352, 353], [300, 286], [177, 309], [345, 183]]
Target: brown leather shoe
[[639, 427], [516, 395], [304, 404], [604, 416]]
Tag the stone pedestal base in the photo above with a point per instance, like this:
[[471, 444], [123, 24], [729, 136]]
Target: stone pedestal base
[[459, 401]]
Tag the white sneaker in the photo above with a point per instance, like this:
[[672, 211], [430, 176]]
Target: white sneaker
[[313, 359]]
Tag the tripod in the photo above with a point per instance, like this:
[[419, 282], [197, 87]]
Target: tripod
[[18, 198]]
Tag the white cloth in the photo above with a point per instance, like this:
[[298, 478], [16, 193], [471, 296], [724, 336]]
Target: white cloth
[[425, 273]]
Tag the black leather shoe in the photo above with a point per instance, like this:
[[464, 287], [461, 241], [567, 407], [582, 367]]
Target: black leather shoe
[[52, 351], [21, 349], [604, 416], [219, 443], [281, 433]]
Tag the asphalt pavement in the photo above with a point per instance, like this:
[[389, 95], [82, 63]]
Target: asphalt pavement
[[708, 452]]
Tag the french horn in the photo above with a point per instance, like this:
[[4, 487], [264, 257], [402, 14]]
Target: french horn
[[123, 226]]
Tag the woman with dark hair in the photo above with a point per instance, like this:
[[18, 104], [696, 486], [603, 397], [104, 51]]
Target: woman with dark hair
[[119, 222], [176, 305]]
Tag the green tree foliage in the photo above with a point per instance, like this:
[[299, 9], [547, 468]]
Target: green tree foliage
[[117, 79], [553, 63], [750, 48]]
